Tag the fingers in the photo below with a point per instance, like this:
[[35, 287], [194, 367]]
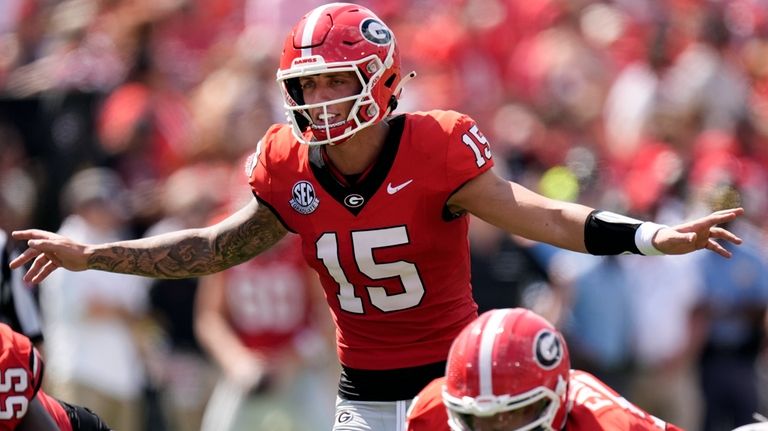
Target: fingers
[[733, 212], [24, 257], [717, 248], [46, 271], [25, 235], [720, 233], [37, 267], [41, 268]]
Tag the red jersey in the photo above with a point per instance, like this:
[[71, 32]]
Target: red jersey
[[393, 262], [268, 298], [22, 374], [592, 406]]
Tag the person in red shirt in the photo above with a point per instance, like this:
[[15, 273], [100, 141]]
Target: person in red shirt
[[381, 203], [510, 370], [24, 406], [261, 324]]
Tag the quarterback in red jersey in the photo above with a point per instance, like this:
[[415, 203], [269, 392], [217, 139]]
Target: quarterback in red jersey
[[510, 370], [23, 405], [381, 204]]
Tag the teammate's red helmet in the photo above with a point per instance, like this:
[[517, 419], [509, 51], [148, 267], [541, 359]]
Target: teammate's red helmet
[[507, 362], [340, 37]]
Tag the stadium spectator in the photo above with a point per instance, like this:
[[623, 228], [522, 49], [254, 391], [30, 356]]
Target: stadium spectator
[[734, 308], [91, 319], [260, 322], [265, 326]]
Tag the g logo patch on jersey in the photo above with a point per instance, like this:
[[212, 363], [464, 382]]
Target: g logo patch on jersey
[[547, 349], [375, 31], [354, 201], [304, 200]]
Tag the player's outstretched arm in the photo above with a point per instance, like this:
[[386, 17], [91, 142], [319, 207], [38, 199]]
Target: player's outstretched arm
[[523, 212], [181, 254]]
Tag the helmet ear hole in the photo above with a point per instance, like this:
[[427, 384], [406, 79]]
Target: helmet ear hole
[[294, 90], [390, 80], [301, 122]]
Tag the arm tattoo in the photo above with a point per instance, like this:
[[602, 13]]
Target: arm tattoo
[[194, 252]]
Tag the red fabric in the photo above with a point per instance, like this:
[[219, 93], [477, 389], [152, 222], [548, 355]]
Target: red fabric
[[56, 411], [594, 407], [402, 244], [598, 407], [269, 299], [21, 374], [427, 412]]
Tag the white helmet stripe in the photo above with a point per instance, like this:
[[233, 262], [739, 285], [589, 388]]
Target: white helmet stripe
[[309, 27], [485, 361]]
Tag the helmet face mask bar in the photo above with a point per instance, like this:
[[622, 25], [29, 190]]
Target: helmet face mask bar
[[538, 406], [298, 112], [337, 38]]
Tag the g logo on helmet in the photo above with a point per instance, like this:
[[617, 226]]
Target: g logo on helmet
[[375, 32], [547, 349]]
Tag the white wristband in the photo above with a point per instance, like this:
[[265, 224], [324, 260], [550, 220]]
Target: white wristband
[[644, 238]]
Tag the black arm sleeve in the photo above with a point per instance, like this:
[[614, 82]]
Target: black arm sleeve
[[83, 419], [607, 233]]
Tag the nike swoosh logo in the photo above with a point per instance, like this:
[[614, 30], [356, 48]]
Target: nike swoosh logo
[[392, 190]]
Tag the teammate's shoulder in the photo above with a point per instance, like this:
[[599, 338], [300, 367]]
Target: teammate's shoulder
[[578, 379], [430, 395], [17, 351], [427, 410], [12, 340]]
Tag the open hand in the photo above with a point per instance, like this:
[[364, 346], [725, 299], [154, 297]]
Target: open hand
[[698, 234], [49, 251]]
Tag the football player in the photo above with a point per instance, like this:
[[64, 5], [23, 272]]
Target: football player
[[23, 405], [510, 370], [380, 202]]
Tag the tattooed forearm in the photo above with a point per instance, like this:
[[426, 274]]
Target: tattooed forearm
[[241, 241], [194, 252]]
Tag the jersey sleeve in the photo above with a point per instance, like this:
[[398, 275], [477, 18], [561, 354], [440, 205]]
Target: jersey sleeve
[[427, 412], [468, 152], [21, 370], [595, 406], [257, 167]]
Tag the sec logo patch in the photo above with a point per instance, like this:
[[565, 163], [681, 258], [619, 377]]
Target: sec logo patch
[[303, 198]]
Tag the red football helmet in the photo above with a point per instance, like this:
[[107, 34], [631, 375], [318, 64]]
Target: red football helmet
[[340, 37], [507, 363]]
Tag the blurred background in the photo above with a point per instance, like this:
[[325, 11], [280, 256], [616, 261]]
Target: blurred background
[[123, 118]]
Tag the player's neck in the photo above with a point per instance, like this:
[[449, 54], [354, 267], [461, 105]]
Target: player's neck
[[360, 151]]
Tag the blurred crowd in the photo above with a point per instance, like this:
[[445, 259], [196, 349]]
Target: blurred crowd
[[123, 118]]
